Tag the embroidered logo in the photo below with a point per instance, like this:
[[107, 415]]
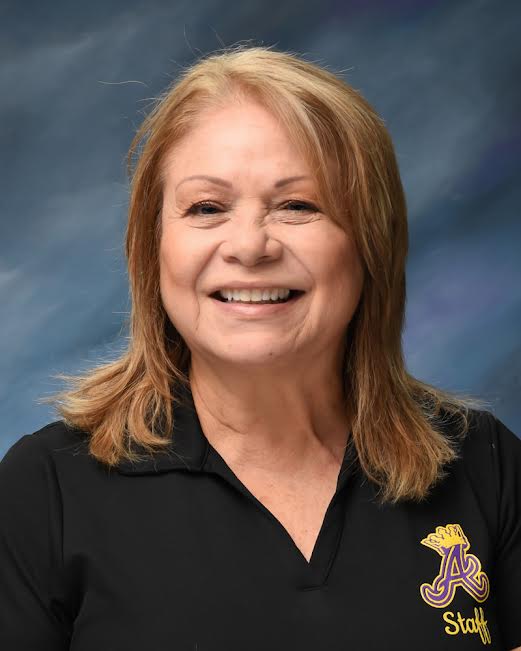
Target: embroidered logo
[[458, 568]]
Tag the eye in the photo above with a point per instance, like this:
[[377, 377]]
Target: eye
[[193, 210], [308, 207]]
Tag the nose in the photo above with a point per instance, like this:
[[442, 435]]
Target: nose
[[250, 241]]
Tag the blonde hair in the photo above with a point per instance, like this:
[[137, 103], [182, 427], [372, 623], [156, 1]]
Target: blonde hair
[[396, 420]]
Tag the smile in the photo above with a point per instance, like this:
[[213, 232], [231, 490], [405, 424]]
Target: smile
[[258, 308]]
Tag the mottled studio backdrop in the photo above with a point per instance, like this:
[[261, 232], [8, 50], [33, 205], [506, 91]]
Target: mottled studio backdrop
[[75, 78]]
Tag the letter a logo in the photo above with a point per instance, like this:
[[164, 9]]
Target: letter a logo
[[458, 568]]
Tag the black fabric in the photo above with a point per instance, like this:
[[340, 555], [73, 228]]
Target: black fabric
[[175, 554]]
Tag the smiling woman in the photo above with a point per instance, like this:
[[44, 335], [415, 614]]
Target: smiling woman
[[259, 470]]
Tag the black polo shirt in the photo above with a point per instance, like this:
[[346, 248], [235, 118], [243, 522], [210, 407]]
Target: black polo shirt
[[176, 554]]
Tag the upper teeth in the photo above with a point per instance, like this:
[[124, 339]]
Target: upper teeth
[[254, 294]]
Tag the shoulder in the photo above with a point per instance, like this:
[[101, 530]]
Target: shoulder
[[486, 436], [489, 453], [34, 452], [489, 435], [484, 492]]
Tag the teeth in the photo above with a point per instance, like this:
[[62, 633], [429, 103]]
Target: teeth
[[254, 295]]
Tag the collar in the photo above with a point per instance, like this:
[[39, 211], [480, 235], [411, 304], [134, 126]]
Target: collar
[[188, 448]]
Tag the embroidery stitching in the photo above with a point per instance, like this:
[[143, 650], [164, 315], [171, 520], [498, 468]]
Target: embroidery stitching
[[458, 568]]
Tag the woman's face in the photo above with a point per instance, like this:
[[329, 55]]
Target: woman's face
[[253, 228]]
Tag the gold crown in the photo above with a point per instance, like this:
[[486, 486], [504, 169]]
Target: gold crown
[[445, 537]]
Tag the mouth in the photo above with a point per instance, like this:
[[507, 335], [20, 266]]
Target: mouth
[[293, 295]]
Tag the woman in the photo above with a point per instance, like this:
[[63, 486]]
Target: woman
[[259, 470]]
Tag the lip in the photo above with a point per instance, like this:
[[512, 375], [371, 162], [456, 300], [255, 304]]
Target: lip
[[254, 310]]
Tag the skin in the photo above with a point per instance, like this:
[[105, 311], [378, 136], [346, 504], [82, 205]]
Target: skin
[[267, 390]]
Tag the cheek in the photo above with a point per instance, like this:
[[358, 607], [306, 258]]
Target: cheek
[[350, 274], [179, 266], [166, 266], [335, 258], [176, 282], [339, 275], [170, 269]]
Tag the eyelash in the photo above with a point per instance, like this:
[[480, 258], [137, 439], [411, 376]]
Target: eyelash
[[192, 210]]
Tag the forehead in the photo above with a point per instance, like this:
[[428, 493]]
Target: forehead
[[241, 138]]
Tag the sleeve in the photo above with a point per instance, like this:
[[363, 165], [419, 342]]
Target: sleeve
[[507, 458], [31, 615]]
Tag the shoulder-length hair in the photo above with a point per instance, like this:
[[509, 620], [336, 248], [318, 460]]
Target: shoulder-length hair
[[395, 419]]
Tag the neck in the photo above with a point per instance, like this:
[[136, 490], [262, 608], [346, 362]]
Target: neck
[[278, 422]]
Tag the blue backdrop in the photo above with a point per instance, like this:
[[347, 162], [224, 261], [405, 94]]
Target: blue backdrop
[[76, 79]]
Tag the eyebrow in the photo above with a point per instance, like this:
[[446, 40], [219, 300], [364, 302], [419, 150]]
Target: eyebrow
[[227, 184]]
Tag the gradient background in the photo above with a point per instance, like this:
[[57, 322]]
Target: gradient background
[[76, 79]]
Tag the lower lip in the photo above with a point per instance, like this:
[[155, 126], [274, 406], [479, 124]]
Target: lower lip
[[253, 309]]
